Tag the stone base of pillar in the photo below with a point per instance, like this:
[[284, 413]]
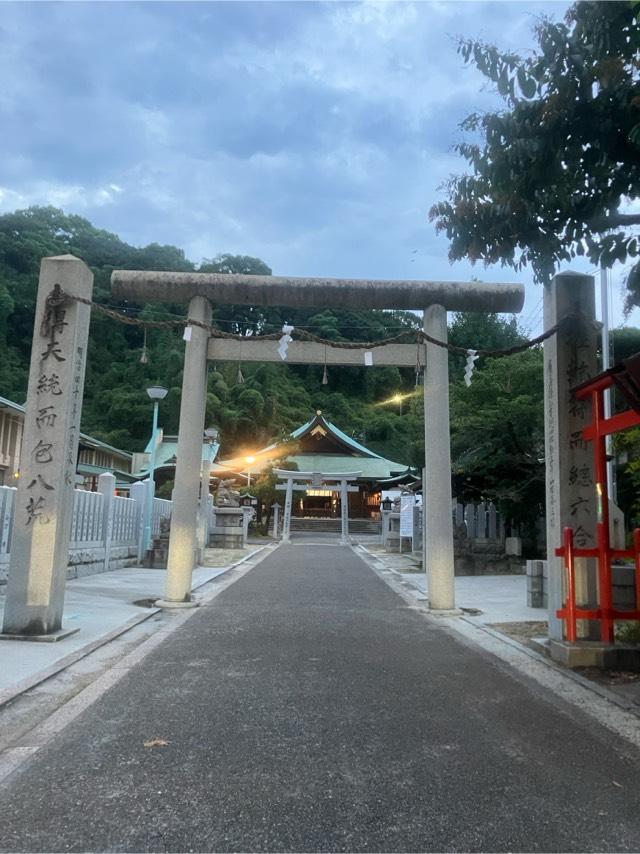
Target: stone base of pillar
[[59, 635], [344, 541], [165, 603], [595, 654], [446, 612]]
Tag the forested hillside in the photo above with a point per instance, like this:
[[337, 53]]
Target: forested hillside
[[496, 424], [272, 399]]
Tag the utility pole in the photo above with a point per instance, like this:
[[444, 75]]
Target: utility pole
[[606, 364]]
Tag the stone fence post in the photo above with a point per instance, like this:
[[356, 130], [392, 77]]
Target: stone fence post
[[107, 487], [44, 506], [139, 494]]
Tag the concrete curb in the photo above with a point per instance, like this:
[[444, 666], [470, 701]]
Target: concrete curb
[[9, 694], [539, 657]]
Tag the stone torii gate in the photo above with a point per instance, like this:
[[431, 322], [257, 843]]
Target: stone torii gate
[[201, 290], [37, 569], [303, 480]]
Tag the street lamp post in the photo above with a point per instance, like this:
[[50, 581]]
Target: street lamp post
[[156, 393], [397, 398]]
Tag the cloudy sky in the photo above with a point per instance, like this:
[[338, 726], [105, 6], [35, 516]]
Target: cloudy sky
[[313, 135]]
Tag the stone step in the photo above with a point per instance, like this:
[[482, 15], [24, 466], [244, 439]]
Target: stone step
[[356, 526]]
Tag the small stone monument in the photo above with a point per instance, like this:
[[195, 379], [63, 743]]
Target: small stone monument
[[157, 556], [229, 529]]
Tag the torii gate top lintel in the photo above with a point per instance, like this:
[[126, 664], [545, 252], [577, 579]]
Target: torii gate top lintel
[[233, 288], [313, 475]]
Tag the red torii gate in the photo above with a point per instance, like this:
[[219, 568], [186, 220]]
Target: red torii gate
[[626, 377]]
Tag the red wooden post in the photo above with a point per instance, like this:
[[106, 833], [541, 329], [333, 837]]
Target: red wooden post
[[636, 549], [603, 545], [571, 590]]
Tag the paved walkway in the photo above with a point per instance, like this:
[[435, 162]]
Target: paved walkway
[[98, 605], [308, 708]]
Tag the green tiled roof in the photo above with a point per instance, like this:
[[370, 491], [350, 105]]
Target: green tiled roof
[[372, 468], [354, 456]]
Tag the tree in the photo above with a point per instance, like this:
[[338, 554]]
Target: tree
[[497, 437], [264, 487], [553, 171]]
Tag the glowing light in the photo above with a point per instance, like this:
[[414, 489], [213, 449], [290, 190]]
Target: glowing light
[[397, 398]]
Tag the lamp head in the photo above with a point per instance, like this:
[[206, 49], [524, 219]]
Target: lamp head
[[157, 392]]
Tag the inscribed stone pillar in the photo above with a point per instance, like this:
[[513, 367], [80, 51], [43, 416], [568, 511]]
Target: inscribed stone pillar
[[275, 509], [570, 358], [184, 514], [286, 520], [344, 512], [385, 526], [437, 499], [44, 502]]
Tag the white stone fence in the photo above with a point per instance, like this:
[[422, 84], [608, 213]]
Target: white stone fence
[[106, 529]]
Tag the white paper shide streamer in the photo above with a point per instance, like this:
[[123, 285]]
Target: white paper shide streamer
[[472, 355], [283, 343]]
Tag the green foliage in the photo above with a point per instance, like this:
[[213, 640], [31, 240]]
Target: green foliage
[[486, 331], [264, 487], [626, 342], [628, 631], [551, 170], [497, 441], [273, 400]]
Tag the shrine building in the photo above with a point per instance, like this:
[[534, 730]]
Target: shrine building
[[320, 446]]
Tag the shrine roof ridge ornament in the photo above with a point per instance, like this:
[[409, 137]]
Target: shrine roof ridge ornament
[[236, 288]]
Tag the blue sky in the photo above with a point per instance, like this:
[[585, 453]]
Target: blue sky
[[313, 135]]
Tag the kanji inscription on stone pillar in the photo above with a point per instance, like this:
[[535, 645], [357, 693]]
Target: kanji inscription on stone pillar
[[570, 358], [44, 502]]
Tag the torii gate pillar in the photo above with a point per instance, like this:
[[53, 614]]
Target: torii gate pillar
[[436, 487], [184, 514]]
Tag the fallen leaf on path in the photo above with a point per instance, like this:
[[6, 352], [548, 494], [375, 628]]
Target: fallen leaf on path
[[619, 785], [156, 742]]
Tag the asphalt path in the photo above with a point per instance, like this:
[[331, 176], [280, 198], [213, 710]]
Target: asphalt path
[[309, 708]]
